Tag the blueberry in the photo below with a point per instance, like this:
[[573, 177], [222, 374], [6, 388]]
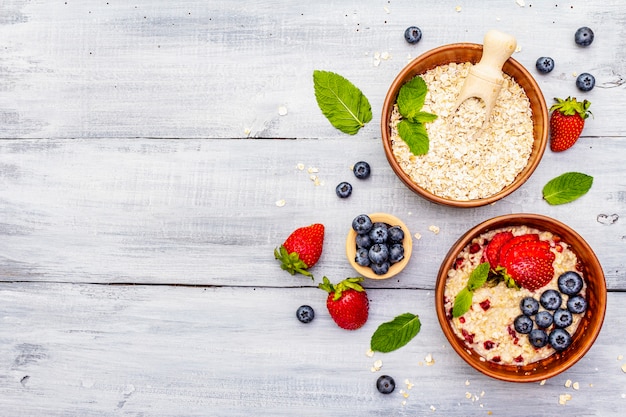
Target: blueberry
[[396, 234], [550, 299], [378, 253], [381, 268], [385, 384], [362, 224], [545, 64], [362, 170], [529, 306], [559, 339], [396, 253], [583, 36], [562, 318], [570, 283], [523, 324], [544, 319], [379, 233], [305, 314], [363, 241], [538, 338], [343, 190], [413, 34], [585, 81], [362, 257], [577, 304]]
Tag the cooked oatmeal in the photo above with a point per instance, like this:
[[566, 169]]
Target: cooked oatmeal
[[487, 327], [466, 160]]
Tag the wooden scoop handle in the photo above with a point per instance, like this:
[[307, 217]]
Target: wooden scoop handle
[[497, 48]]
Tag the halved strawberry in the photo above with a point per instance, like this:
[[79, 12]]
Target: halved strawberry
[[492, 250], [516, 240], [528, 262]]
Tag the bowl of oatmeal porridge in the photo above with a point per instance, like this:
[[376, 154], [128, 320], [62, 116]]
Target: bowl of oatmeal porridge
[[513, 332], [469, 162]]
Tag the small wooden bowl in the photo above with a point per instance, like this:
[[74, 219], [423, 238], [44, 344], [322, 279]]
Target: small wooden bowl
[[394, 269], [590, 324], [460, 53]]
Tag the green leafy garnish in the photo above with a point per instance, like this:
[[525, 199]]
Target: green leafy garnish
[[463, 300], [396, 333], [343, 104], [567, 187], [411, 129]]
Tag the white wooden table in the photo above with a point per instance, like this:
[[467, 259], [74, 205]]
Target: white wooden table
[[143, 150]]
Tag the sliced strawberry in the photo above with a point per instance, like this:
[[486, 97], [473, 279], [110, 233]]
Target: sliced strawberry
[[530, 272], [530, 248], [492, 251], [515, 240]]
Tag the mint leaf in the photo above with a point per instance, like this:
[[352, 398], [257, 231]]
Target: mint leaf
[[478, 277], [462, 302], [396, 333], [567, 187], [423, 117], [343, 104], [411, 97], [415, 136]]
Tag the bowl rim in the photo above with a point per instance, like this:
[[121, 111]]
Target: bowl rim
[[394, 269], [390, 98], [539, 370]]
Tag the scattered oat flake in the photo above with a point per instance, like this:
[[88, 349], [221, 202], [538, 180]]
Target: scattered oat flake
[[434, 229], [385, 56], [576, 386], [457, 9], [518, 48], [564, 398], [432, 408], [281, 203], [417, 236], [313, 170], [568, 383], [543, 382], [467, 382], [520, 3], [282, 110], [405, 394], [624, 367], [468, 395], [378, 364], [429, 360], [247, 131], [369, 353], [386, 9], [620, 357]]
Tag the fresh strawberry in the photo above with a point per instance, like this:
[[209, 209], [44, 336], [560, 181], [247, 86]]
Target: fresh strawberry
[[492, 250], [528, 263], [301, 250], [515, 240], [346, 302], [566, 122]]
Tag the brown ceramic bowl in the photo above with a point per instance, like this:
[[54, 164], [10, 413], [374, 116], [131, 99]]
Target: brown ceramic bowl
[[590, 323], [394, 269], [460, 53]]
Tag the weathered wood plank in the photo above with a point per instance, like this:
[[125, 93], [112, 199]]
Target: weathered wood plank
[[203, 211], [95, 350], [198, 69]]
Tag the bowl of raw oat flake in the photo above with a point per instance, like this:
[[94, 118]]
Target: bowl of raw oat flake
[[449, 152], [521, 297]]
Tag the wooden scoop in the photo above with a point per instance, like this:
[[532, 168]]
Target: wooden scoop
[[485, 79]]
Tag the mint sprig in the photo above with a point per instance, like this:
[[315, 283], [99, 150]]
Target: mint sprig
[[394, 334], [463, 300], [567, 187], [343, 104], [411, 129]]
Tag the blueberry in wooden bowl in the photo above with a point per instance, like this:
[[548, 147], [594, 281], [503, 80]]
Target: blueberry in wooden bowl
[[379, 245], [521, 297]]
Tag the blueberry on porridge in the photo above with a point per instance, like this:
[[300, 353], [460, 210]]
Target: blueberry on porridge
[[515, 295]]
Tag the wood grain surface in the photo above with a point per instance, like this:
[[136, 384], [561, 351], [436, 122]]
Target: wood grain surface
[[143, 149]]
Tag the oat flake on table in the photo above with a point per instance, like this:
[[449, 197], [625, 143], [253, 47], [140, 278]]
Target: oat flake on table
[[466, 162]]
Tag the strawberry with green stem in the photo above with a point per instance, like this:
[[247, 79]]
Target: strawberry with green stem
[[567, 122], [347, 302], [301, 250]]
